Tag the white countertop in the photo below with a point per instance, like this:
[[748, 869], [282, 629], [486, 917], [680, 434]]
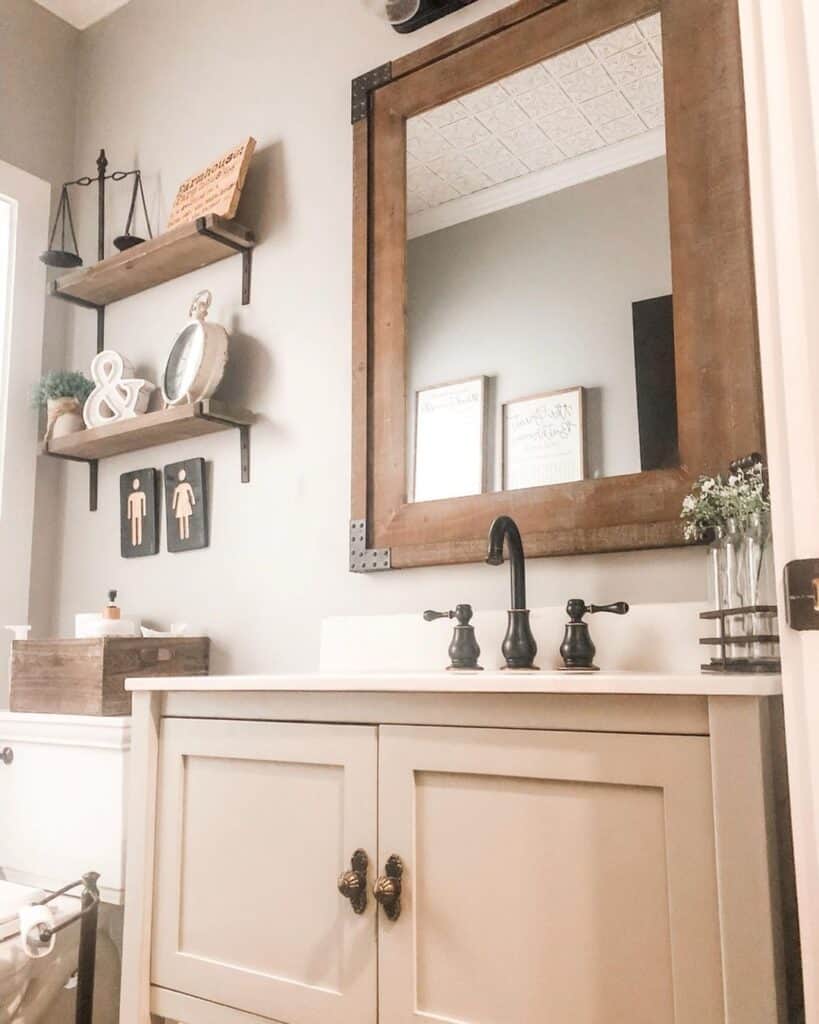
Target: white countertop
[[709, 685]]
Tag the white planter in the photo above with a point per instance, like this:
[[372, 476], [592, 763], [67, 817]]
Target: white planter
[[64, 417]]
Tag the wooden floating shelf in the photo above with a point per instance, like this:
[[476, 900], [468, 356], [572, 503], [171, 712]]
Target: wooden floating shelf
[[170, 255], [179, 423]]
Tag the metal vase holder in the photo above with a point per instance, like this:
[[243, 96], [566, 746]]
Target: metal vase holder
[[746, 640]]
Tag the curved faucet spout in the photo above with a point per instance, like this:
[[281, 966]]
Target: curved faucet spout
[[504, 528]]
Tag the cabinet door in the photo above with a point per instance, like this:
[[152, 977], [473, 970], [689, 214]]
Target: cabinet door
[[255, 822], [549, 877]]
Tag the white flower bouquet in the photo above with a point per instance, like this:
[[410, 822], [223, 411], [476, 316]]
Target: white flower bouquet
[[714, 502]]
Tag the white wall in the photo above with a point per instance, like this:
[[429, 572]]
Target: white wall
[[169, 86], [538, 297], [37, 107]]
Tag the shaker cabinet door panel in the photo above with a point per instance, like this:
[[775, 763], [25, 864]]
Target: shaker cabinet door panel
[[255, 822], [548, 876]]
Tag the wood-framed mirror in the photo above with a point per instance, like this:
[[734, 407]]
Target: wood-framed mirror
[[553, 201]]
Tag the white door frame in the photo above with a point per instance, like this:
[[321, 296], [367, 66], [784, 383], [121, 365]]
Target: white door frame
[[21, 355], [780, 41]]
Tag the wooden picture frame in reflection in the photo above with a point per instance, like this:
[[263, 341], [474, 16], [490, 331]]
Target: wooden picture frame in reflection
[[450, 440], [544, 439]]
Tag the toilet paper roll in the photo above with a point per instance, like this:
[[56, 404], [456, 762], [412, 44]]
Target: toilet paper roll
[[89, 625], [32, 921]]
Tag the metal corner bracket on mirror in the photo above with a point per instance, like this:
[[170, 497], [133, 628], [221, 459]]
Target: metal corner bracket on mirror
[[363, 86], [362, 558]]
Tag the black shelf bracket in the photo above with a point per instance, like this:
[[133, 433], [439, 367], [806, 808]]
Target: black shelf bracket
[[100, 329], [93, 484], [93, 476], [244, 442], [244, 452], [54, 290], [93, 464], [246, 251]]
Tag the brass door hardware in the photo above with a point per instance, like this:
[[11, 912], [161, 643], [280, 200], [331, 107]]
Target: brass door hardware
[[353, 884], [387, 888]]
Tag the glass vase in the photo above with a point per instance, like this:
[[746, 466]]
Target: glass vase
[[717, 585], [757, 580], [734, 596], [716, 571]]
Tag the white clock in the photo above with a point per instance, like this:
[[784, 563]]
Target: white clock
[[196, 363]]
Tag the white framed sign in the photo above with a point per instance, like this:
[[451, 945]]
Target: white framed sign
[[543, 440], [450, 440]]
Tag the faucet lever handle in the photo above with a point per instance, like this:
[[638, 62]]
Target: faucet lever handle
[[618, 608], [463, 650], [463, 613], [430, 616]]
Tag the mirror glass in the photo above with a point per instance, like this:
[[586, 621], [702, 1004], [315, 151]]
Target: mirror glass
[[539, 299]]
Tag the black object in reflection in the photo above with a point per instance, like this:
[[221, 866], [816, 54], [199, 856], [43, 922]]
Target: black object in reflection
[[655, 369]]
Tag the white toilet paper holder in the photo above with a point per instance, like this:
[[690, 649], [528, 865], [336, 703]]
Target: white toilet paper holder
[[87, 916]]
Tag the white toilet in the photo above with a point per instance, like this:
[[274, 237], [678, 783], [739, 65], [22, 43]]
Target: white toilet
[[29, 988], [62, 813]]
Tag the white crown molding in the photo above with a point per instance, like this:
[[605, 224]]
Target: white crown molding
[[82, 13], [600, 162]]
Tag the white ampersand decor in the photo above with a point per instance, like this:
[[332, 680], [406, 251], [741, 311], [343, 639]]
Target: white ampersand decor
[[118, 395]]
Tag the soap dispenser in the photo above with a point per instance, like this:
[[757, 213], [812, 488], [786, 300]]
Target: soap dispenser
[[111, 611], [111, 622], [577, 649]]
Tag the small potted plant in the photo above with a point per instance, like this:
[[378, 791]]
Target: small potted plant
[[62, 393]]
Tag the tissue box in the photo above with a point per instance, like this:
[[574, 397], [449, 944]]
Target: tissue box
[[87, 677]]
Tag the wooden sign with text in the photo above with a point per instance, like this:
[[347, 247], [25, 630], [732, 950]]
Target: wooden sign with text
[[217, 189]]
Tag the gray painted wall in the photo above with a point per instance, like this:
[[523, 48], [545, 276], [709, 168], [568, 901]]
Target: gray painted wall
[[38, 54], [538, 297], [169, 87]]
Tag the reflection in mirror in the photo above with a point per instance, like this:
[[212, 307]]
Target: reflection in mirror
[[538, 263]]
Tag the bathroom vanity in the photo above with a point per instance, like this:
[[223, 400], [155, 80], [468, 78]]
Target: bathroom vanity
[[583, 848]]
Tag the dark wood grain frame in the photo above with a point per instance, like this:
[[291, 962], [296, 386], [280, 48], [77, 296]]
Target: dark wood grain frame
[[716, 350]]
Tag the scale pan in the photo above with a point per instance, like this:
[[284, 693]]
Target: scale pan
[[60, 258], [123, 242]]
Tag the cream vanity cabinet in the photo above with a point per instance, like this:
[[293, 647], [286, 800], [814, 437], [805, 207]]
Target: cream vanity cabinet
[[591, 859]]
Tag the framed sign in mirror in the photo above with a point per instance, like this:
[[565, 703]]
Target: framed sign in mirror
[[450, 439], [543, 440], [530, 194]]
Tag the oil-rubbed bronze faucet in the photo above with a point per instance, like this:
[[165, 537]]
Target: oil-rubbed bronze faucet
[[464, 650], [519, 647]]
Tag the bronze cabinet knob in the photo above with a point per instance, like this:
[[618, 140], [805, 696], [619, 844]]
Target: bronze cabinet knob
[[387, 888], [6, 755], [353, 884]]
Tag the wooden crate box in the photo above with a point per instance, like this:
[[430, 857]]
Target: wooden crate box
[[87, 677]]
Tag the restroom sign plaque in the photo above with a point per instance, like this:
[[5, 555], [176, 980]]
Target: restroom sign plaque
[[217, 189]]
